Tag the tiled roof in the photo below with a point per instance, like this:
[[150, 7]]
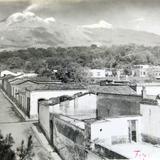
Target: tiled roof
[[56, 86], [113, 89], [14, 78], [20, 81], [7, 77]]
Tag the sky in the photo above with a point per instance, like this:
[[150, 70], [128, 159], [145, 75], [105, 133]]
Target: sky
[[143, 15]]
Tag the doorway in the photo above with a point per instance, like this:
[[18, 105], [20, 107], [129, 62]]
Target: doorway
[[51, 132], [132, 131], [28, 107]]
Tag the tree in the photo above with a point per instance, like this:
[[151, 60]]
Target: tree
[[28, 66], [72, 72], [15, 62], [127, 71], [25, 153], [7, 153]]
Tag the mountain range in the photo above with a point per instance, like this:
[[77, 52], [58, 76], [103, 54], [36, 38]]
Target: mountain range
[[23, 30]]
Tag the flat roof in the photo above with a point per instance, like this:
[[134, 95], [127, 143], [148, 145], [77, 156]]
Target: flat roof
[[137, 151], [84, 116], [21, 81], [78, 123], [113, 89], [57, 86], [94, 120], [148, 84]]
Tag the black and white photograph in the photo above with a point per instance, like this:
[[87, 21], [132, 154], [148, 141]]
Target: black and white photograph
[[79, 79]]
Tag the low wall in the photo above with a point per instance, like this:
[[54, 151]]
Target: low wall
[[105, 152], [68, 140], [150, 139], [116, 105]]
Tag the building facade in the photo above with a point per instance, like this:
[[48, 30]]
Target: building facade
[[119, 105], [150, 110], [97, 73], [146, 71], [74, 122]]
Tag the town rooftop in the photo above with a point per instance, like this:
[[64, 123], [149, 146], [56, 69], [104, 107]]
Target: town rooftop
[[113, 89], [57, 86]]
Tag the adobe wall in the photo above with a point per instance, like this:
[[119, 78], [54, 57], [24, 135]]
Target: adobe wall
[[85, 105], [151, 122], [44, 119], [117, 105], [103, 151], [68, 140]]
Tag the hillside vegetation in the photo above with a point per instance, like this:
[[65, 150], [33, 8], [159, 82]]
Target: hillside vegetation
[[71, 62]]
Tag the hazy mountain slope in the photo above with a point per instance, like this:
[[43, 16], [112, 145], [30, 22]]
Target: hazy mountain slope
[[23, 30], [122, 36]]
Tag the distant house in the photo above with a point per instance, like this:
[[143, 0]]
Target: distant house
[[140, 70], [152, 89], [97, 73], [146, 71], [108, 72], [6, 72]]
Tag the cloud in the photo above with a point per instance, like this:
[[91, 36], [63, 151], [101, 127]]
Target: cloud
[[138, 23], [101, 24], [40, 4], [140, 19], [2, 38], [20, 16], [28, 16], [49, 20], [32, 7]]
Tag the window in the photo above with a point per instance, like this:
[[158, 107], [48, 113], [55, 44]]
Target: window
[[108, 111], [98, 73], [150, 112]]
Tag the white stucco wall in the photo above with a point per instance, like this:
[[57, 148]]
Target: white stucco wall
[[86, 103], [151, 89], [44, 119], [81, 105], [46, 94], [103, 131], [98, 73], [150, 120], [4, 73], [14, 90]]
